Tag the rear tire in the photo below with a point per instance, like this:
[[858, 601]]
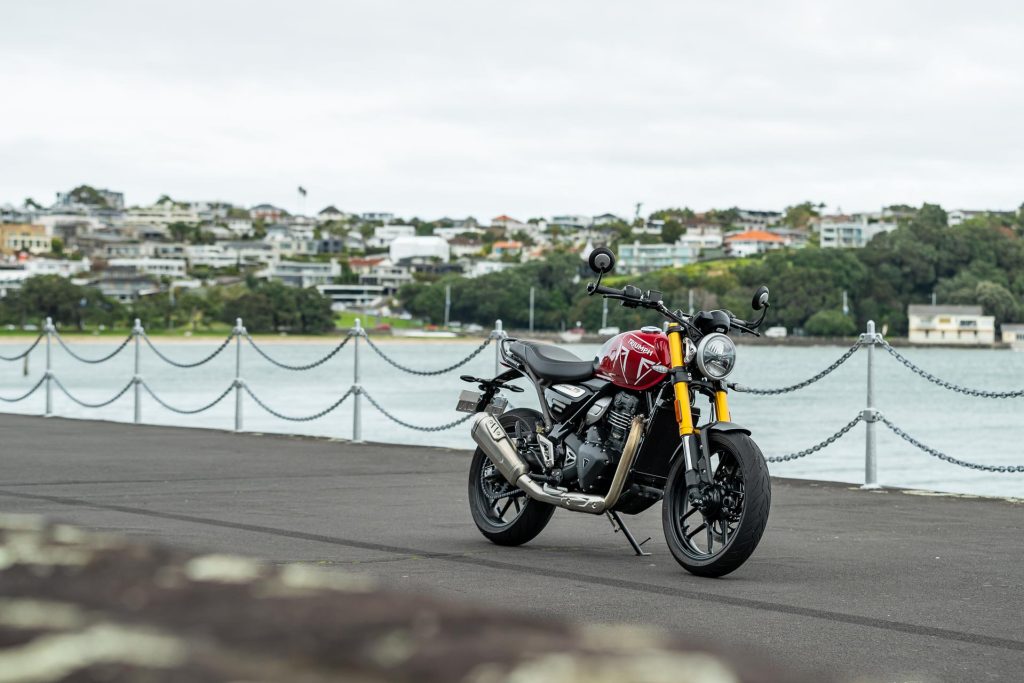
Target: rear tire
[[523, 518], [737, 528]]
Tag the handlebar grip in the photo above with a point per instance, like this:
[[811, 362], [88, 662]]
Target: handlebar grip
[[600, 289]]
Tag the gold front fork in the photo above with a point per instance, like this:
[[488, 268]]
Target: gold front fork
[[679, 384], [722, 406]]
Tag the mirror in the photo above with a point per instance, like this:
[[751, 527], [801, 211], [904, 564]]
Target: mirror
[[601, 260], [760, 298]]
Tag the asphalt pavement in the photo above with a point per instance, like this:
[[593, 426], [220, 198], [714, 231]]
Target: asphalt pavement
[[891, 585]]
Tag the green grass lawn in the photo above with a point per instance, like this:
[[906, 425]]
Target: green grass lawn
[[348, 320]]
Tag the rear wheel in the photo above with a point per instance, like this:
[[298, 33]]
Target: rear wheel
[[501, 511], [713, 529]]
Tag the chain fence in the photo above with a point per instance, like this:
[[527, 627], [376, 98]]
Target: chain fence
[[397, 420], [978, 393], [427, 373], [820, 445], [186, 411], [868, 416], [27, 351], [28, 393], [309, 366], [92, 361], [290, 418], [800, 385], [87, 404], [182, 364], [1001, 469]]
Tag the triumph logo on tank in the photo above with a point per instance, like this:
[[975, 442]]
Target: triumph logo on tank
[[639, 347]]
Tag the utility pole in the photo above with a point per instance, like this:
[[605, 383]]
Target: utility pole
[[691, 300], [447, 304], [846, 304], [531, 309], [604, 313]]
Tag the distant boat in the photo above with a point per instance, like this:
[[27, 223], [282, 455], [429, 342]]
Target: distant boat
[[423, 334], [573, 336]]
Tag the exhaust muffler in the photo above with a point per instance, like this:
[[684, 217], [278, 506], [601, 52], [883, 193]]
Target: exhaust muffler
[[494, 441]]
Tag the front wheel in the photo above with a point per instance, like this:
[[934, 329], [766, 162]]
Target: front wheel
[[712, 529], [502, 512]]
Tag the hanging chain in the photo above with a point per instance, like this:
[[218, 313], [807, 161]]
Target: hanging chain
[[26, 351], [1002, 469], [784, 390], [979, 393], [83, 359], [178, 364], [817, 447], [402, 422], [290, 418], [186, 411], [413, 371], [28, 393], [86, 404], [309, 366]]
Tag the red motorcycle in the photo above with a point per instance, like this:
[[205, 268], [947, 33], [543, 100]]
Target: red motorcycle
[[618, 434]]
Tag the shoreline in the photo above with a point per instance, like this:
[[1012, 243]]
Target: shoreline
[[16, 338]]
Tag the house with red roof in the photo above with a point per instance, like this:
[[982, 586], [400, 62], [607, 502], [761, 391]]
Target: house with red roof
[[752, 242]]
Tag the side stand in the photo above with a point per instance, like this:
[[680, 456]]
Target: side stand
[[618, 525]]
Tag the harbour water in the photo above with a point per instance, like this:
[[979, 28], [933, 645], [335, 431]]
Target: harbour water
[[989, 431]]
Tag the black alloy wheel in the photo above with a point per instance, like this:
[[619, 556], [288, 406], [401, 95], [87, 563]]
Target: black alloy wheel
[[711, 529], [501, 511]]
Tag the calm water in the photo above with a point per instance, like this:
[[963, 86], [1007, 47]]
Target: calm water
[[981, 430]]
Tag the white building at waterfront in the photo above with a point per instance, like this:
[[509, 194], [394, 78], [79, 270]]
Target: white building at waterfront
[[1013, 334], [947, 324]]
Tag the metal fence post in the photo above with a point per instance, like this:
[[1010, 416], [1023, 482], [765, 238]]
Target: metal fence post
[[870, 453], [498, 334], [357, 418], [137, 380], [238, 331], [49, 367]]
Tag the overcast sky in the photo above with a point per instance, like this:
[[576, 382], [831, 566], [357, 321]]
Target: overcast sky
[[525, 108]]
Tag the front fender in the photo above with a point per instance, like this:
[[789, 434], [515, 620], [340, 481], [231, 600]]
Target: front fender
[[726, 427]]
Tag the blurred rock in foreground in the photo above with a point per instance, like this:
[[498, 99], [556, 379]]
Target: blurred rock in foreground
[[82, 606]]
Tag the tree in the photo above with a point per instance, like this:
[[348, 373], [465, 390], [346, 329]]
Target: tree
[[58, 298], [998, 301], [800, 216], [671, 231], [85, 194], [830, 324]]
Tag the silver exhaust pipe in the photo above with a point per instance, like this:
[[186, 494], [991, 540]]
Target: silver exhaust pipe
[[488, 433]]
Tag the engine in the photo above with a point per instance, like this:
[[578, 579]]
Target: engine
[[590, 461]]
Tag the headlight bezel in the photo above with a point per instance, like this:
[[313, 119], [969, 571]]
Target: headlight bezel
[[702, 348]]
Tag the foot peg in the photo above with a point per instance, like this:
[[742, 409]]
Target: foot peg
[[618, 525]]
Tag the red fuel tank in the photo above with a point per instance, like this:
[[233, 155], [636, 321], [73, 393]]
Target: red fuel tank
[[629, 359]]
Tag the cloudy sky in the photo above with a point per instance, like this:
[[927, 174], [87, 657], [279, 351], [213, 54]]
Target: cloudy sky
[[526, 108]]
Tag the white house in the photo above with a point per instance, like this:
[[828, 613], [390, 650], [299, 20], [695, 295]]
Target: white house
[[1013, 334], [487, 267], [164, 213], [850, 232], [752, 242], [152, 266], [946, 324], [425, 247], [642, 258], [750, 219], [384, 235], [303, 273]]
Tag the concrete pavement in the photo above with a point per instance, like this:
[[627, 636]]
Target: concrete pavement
[[888, 584]]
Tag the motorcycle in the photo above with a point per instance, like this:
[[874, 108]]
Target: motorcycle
[[621, 433]]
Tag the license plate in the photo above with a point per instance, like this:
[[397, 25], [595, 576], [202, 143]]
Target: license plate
[[469, 399]]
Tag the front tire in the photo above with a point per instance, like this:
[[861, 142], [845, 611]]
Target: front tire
[[712, 530], [503, 513]]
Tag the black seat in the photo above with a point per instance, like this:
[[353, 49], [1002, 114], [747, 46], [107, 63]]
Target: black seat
[[552, 363]]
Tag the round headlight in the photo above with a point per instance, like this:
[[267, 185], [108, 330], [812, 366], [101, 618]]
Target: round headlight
[[716, 356]]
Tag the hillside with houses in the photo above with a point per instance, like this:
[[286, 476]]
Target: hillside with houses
[[149, 257]]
